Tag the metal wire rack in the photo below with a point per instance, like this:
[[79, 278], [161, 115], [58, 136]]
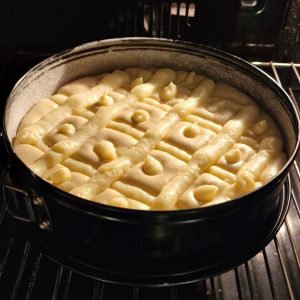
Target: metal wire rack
[[274, 273]]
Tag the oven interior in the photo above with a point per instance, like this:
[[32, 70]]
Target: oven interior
[[264, 32]]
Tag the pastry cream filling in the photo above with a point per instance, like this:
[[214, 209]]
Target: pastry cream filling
[[151, 139]]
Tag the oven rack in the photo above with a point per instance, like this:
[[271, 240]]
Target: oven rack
[[274, 273]]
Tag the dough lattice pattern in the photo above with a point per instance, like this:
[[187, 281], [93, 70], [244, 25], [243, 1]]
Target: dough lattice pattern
[[151, 139]]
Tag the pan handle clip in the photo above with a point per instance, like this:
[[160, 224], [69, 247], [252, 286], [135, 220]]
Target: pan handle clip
[[24, 207], [18, 203]]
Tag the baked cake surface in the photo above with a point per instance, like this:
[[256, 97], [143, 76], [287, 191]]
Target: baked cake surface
[[151, 139]]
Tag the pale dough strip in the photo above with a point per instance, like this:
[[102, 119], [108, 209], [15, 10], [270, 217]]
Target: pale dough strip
[[176, 152], [251, 171], [102, 117], [38, 130], [205, 157], [133, 192], [110, 172]]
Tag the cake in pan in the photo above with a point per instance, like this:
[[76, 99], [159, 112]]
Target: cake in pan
[[147, 139]]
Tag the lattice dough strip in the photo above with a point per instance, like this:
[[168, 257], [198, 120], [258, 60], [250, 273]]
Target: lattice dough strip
[[38, 111], [77, 102], [173, 150], [187, 137], [187, 200], [233, 160], [273, 169], [249, 174], [218, 112], [102, 117], [78, 166], [64, 129], [123, 133], [80, 85], [133, 192], [126, 129], [226, 91], [121, 141], [111, 172], [219, 172], [76, 179], [204, 123], [206, 156], [190, 137], [28, 153], [141, 116], [88, 158], [191, 199], [113, 197], [154, 172], [156, 103]]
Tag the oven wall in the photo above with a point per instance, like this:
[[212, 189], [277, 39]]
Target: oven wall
[[252, 29]]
